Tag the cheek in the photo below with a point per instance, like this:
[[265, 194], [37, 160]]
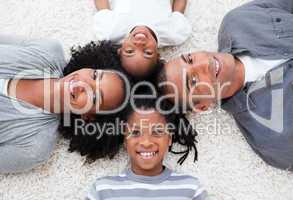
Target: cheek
[[164, 146], [130, 146], [82, 101]]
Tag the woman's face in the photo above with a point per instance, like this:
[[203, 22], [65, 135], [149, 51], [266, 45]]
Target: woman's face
[[147, 141], [89, 91]]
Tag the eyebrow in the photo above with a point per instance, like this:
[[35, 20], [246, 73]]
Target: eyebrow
[[183, 58], [101, 96], [187, 83]]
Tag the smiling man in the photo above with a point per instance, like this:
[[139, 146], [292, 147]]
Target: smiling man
[[252, 75]]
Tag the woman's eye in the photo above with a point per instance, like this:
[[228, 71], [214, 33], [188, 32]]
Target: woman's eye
[[193, 81], [95, 74], [189, 58]]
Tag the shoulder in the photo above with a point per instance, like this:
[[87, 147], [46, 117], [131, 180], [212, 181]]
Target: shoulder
[[180, 176], [111, 180]]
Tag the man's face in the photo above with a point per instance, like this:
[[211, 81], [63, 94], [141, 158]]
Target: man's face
[[89, 91], [139, 51], [200, 78]]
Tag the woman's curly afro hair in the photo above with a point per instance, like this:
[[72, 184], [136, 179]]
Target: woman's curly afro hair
[[101, 55]]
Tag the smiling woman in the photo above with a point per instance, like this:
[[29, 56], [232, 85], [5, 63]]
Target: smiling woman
[[34, 93]]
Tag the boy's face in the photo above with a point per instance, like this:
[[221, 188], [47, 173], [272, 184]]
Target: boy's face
[[147, 141], [138, 52]]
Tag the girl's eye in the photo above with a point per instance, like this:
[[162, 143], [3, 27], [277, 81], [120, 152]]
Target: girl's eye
[[148, 52], [129, 51]]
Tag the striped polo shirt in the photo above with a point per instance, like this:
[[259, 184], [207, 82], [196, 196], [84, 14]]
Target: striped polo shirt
[[129, 186]]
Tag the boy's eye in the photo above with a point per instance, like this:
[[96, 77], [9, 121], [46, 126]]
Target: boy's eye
[[158, 131], [134, 133]]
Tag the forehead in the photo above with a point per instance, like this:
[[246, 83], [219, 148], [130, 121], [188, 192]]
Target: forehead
[[112, 87], [176, 71], [137, 64], [146, 117]]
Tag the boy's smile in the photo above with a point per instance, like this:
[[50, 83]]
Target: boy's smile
[[146, 142]]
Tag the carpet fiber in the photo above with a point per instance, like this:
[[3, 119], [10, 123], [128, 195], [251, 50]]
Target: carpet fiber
[[227, 166]]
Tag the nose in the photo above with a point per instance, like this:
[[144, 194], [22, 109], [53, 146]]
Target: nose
[[77, 87], [146, 142], [200, 108], [140, 39]]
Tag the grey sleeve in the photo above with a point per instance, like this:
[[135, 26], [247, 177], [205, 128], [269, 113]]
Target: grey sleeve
[[24, 154], [20, 54]]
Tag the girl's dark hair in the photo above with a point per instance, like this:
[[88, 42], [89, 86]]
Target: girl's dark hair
[[183, 134], [97, 144]]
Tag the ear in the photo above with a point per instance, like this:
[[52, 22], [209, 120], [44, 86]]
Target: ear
[[200, 108], [88, 117], [159, 56], [170, 140], [119, 51]]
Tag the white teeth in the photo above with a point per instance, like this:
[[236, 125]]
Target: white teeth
[[71, 86], [147, 154], [217, 67], [140, 35]]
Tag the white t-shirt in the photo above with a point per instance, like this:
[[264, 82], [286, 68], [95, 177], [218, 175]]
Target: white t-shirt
[[171, 28], [4, 86], [256, 68]]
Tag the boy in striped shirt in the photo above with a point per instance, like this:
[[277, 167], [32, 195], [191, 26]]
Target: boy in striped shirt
[[148, 136]]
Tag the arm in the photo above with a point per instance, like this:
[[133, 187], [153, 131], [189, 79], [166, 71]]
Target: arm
[[179, 5], [102, 4]]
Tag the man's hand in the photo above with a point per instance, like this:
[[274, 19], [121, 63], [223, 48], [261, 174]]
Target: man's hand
[[102, 4], [179, 5]]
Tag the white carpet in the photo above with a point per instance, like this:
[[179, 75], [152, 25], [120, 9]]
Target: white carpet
[[227, 166]]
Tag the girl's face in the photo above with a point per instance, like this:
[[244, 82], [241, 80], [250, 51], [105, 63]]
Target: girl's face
[[147, 141]]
